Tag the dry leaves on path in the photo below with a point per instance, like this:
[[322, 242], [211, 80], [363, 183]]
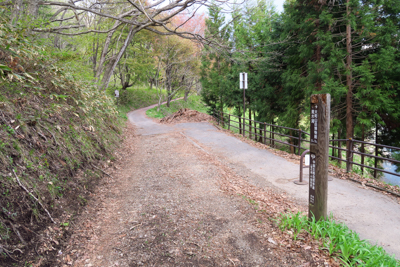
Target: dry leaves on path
[[173, 204], [186, 115]]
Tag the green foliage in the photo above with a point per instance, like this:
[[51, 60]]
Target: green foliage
[[134, 98], [338, 240], [301, 52], [215, 64]]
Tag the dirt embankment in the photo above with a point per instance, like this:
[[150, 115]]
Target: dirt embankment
[[54, 132]]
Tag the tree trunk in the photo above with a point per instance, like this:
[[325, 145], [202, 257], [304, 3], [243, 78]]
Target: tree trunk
[[291, 142], [168, 82], [169, 98], [186, 95], [33, 8], [95, 53], [349, 79], [222, 117], [151, 83], [319, 84], [57, 38], [111, 66], [104, 53], [17, 10]]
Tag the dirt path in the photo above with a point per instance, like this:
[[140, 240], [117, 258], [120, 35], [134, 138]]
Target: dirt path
[[374, 215], [171, 203]]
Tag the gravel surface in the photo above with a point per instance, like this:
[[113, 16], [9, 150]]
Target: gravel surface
[[189, 194], [171, 203]]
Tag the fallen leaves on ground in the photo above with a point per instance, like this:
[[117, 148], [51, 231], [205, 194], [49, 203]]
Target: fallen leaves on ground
[[187, 115]]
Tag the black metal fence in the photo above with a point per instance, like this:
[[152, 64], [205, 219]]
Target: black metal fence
[[266, 133]]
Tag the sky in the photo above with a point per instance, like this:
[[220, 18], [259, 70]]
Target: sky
[[279, 5]]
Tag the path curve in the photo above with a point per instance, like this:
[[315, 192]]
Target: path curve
[[375, 216]]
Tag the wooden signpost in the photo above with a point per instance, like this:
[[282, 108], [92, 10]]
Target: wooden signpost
[[319, 155]]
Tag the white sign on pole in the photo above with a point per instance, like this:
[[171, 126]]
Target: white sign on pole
[[116, 93], [307, 160], [243, 80]]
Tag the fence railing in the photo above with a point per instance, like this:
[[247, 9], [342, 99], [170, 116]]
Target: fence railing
[[266, 133]]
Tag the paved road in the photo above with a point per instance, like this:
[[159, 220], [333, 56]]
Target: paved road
[[376, 217]]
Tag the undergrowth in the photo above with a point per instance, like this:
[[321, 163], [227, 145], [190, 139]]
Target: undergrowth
[[338, 240], [194, 103], [52, 126], [134, 98]]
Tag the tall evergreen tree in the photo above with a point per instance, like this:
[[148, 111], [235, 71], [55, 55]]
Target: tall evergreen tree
[[215, 61]]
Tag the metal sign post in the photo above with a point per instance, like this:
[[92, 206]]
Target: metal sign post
[[243, 85], [116, 93], [319, 155]]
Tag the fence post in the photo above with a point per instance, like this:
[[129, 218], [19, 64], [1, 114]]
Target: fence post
[[255, 126], [250, 124], [319, 156], [240, 123], [273, 136], [229, 121], [362, 150], [265, 133], [376, 162], [349, 155], [299, 142], [244, 126], [340, 150]]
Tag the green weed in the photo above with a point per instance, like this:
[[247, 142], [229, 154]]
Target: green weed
[[338, 240]]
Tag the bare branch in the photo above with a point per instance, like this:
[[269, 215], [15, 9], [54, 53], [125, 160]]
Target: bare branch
[[59, 28], [23, 187], [119, 18]]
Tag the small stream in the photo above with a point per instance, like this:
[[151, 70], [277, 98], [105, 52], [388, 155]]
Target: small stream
[[389, 178]]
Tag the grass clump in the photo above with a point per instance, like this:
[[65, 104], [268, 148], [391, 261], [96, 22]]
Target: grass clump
[[338, 240], [194, 103]]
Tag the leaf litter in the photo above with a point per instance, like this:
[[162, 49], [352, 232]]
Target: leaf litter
[[170, 204]]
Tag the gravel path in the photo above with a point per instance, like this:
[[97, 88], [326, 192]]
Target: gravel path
[[191, 195], [375, 216], [169, 204]]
